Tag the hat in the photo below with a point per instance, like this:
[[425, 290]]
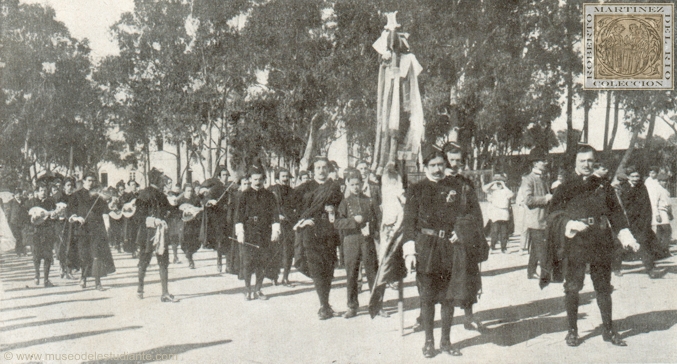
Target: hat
[[630, 170], [430, 151], [451, 147], [155, 177], [121, 183], [662, 176], [256, 169], [538, 154], [210, 182], [498, 177]]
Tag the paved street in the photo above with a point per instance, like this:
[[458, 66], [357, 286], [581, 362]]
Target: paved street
[[212, 323]]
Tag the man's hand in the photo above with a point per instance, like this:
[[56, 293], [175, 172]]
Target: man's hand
[[574, 227], [211, 203], [275, 235], [658, 219], [627, 240], [548, 197], [75, 218], [239, 232], [358, 219]]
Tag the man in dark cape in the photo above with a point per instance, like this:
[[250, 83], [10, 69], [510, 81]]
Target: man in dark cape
[[129, 227], [284, 197], [43, 239], [67, 248], [190, 241], [585, 214], [316, 238], [257, 227], [215, 220], [152, 211], [86, 210]]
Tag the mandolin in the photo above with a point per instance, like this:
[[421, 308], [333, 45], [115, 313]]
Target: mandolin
[[189, 211], [40, 215], [129, 209]]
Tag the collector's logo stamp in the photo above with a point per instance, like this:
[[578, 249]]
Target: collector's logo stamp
[[628, 46]]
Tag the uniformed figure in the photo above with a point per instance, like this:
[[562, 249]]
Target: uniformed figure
[[190, 241], [116, 222], [152, 211], [284, 197], [354, 220], [216, 218], [429, 215], [635, 198], [536, 199], [129, 227], [585, 212], [86, 210], [43, 239], [17, 216], [316, 241], [256, 226], [467, 281], [67, 249]]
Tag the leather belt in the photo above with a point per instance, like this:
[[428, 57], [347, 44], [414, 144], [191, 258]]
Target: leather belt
[[438, 233], [601, 221]]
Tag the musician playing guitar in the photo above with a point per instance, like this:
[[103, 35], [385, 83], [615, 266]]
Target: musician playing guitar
[[67, 248], [215, 224], [129, 225], [116, 229], [42, 217], [190, 242]]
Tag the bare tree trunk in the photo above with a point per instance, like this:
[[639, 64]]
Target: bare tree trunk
[[209, 143], [631, 147], [605, 147], [178, 164], [569, 80], [649, 132], [586, 120], [617, 103], [70, 162]]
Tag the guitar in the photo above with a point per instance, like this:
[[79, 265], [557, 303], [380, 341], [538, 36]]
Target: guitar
[[129, 209], [189, 211], [115, 212], [40, 215]]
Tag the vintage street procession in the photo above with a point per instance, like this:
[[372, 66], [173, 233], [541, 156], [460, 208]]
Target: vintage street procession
[[337, 181]]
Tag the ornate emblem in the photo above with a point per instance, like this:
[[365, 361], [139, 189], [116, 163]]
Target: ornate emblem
[[451, 196]]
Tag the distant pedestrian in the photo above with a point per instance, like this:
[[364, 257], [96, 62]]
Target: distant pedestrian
[[499, 197], [536, 199]]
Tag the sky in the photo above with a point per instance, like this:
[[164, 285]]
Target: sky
[[91, 19]]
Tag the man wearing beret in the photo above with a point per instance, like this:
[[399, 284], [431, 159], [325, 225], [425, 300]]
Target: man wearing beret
[[257, 223], [585, 214], [536, 198]]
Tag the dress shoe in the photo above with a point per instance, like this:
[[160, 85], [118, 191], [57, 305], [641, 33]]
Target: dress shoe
[[532, 276], [350, 313], [83, 283], [474, 325], [447, 348], [325, 313], [219, 268], [656, 273], [191, 264], [248, 296], [429, 349], [260, 296], [139, 295], [100, 288], [176, 260], [572, 338], [63, 274], [275, 282], [418, 327], [48, 284], [618, 273], [613, 337], [37, 281], [383, 313], [168, 298], [287, 283]]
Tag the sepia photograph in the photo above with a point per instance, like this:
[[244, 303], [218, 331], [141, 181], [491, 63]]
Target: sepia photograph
[[338, 181]]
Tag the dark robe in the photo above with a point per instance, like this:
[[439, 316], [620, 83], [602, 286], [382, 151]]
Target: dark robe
[[638, 209], [257, 211], [67, 246], [190, 242], [129, 225], [150, 203], [44, 238], [91, 236]]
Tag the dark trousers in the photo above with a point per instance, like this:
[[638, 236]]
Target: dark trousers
[[432, 289], [663, 235], [358, 249], [16, 231], [537, 249], [320, 254], [499, 233], [600, 273], [287, 239], [163, 262]]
